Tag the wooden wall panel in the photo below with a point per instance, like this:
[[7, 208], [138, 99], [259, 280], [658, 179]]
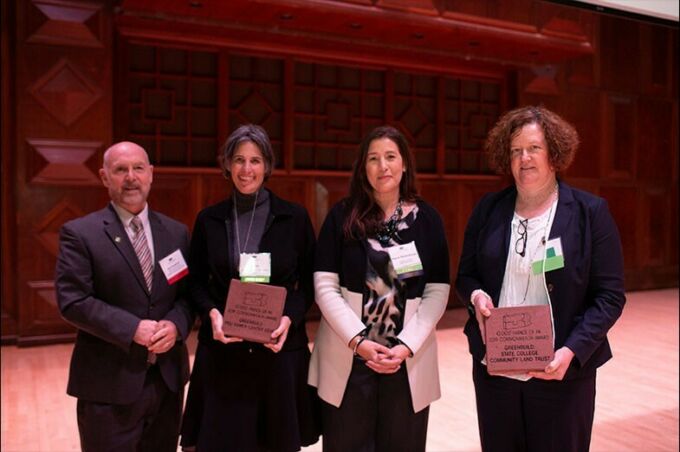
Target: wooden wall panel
[[620, 137], [319, 77], [209, 189], [624, 205], [58, 162], [658, 214], [587, 123], [79, 24], [298, 190], [620, 54], [441, 196], [626, 114], [9, 308], [656, 73], [328, 191], [172, 194], [655, 140], [63, 104], [672, 246]]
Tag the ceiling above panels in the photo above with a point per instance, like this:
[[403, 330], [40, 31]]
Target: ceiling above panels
[[416, 32]]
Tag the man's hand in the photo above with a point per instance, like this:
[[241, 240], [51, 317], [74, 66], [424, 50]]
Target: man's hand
[[145, 330], [164, 338]]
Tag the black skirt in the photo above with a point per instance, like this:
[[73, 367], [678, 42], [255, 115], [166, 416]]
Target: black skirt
[[244, 397]]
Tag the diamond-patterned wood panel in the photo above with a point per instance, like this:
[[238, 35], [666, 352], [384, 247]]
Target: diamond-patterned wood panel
[[60, 54], [47, 229], [256, 95], [64, 162], [415, 111], [65, 91], [64, 23]]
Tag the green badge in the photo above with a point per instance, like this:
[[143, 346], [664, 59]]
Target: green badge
[[554, 259]]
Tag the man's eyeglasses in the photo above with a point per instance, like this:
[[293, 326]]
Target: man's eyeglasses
[[521, 243]]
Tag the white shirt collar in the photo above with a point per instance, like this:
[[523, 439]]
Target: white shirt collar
[[126, 216]]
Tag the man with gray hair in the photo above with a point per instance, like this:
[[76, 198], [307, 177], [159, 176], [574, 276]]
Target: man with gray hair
[[119, 281]]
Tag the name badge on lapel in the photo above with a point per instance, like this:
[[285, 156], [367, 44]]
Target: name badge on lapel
[[174, 266], [554, 258], [406, 260], [255, 267]]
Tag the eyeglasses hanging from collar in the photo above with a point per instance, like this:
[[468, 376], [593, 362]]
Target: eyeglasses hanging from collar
[[521, 243]]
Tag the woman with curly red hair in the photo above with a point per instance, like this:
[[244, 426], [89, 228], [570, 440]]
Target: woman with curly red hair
[[508, 240]]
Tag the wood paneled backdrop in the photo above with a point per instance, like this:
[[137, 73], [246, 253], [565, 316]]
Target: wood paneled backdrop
[[178, 75]]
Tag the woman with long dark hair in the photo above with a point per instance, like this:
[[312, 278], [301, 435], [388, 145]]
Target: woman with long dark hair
[[382, 283]]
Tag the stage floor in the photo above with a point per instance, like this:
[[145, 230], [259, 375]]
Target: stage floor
[[637, 391]]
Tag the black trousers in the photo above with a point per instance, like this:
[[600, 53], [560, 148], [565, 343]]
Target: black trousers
[[535, 415], [149, 424], [376, 415]]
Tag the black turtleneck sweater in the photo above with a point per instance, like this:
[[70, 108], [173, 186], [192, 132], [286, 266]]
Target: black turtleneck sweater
[[244, 204]]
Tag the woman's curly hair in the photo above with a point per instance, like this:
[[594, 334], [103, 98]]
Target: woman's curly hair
[[561, 137]]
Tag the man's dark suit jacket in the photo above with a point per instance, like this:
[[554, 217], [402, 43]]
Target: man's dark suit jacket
[[587, 295], [101, 290]]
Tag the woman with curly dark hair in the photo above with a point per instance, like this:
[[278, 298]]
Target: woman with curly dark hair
[[540, 242], [381, 278]]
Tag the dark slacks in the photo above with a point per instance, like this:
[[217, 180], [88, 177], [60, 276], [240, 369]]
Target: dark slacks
[[150, 423], [535, 415], [376, 415]]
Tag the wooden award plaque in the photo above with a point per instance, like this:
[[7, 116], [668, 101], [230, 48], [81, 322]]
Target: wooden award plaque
[[253, 310], [519, 339]]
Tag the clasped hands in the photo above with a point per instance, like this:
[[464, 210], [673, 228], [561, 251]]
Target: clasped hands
[[156, 336], [555, 370], [381, 359], [279, 335]]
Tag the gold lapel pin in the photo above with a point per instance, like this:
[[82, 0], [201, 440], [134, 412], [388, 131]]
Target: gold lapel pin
[[117, 239]]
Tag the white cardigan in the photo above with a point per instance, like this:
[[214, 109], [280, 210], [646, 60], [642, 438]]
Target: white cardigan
[[331, 361]]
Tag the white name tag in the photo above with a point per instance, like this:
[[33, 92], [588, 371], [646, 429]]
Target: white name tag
[[406, 260], [255, 267], [556, 246], [174, 266]]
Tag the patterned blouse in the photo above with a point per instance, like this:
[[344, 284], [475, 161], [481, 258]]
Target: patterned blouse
[[384, 299]]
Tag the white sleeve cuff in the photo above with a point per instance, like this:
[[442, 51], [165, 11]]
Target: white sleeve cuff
[[474, 294]]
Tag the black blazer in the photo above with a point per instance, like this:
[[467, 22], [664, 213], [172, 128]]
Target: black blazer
[[288, 236], [101, 290], [587, 294]]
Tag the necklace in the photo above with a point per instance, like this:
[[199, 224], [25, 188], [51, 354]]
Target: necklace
[[530, 204], [389, 227], [250, 225], [540, 245]]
